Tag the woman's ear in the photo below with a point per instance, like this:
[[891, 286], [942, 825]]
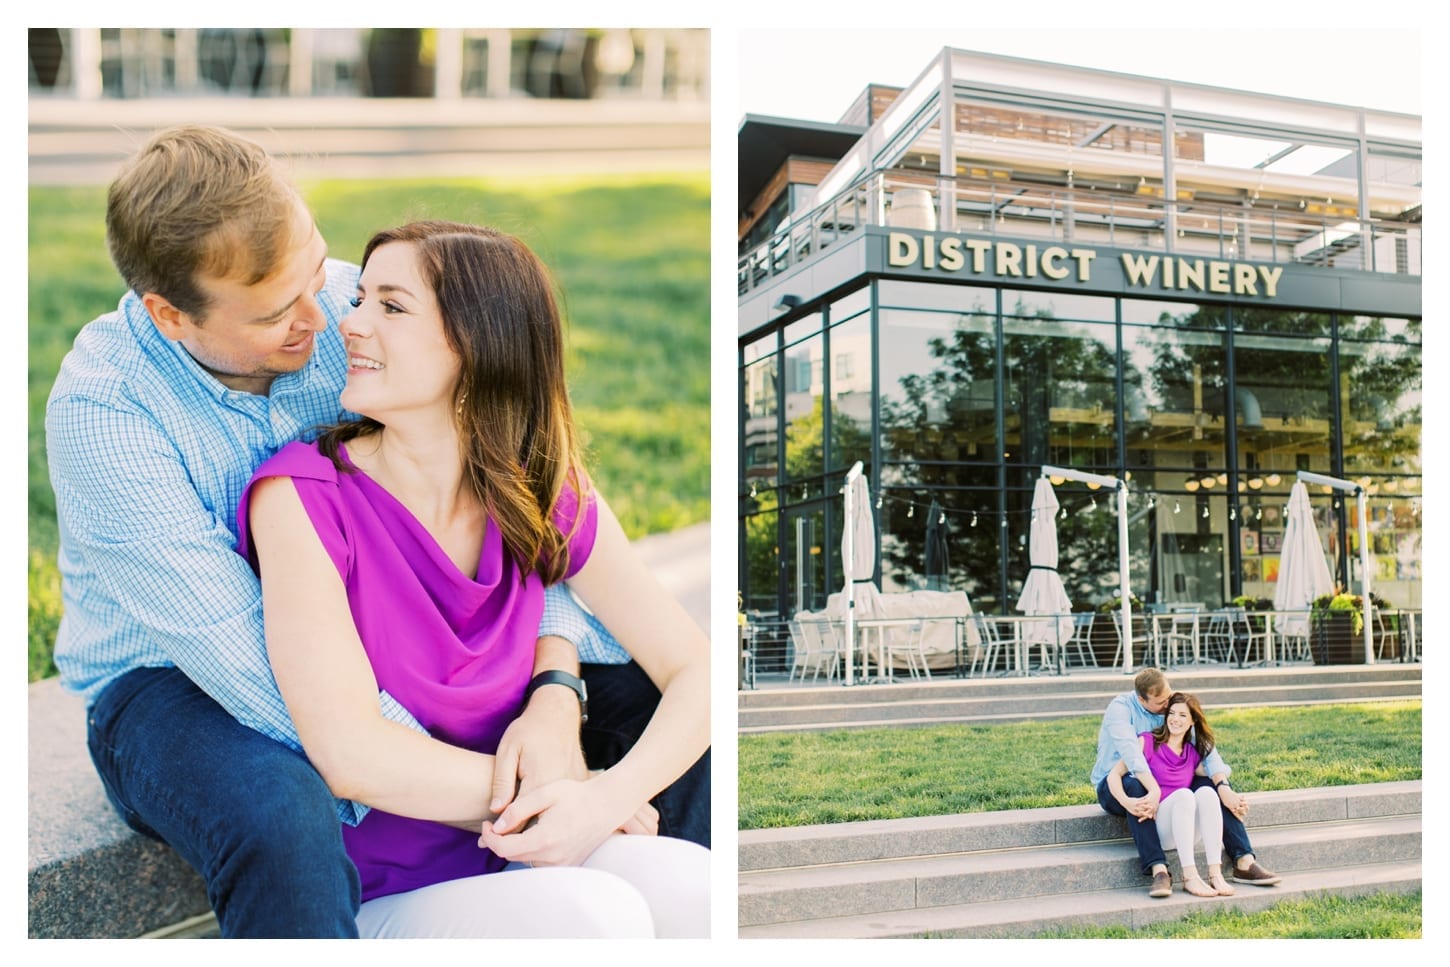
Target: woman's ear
[[170, 321]]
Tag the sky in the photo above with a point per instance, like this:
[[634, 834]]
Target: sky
[[814, 75]]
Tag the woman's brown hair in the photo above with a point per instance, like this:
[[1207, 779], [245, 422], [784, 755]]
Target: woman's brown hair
[[515, 424], [1199, 734]]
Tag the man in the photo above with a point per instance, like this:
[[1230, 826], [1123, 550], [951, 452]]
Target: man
[[1127, 717], [224, 349]]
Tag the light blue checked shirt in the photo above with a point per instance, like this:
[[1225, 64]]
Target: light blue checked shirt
[[566, 617], [148, 457]]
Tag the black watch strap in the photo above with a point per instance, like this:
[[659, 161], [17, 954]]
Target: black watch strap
[[556, 677]]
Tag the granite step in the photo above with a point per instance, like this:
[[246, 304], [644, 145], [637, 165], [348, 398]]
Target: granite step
[[985, 701], [1023, 872]]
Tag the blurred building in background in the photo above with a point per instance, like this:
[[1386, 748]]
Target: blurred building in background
[[91, 63], [372, 101]]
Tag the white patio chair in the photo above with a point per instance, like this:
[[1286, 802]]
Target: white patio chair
[[1141, 637], [821, 651], [1249, 634], [1216, 638], [1081, 640], [1175, 634], [915, 652], [990, 649]]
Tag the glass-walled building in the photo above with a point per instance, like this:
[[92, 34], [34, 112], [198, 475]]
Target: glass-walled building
[[1010, 265]]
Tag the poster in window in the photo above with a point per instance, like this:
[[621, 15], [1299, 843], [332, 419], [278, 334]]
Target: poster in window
[[1272, 543], [1252, 569], [1249, 541], [1271, 568]]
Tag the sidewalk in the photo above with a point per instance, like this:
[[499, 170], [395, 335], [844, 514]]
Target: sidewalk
[[681, 560], [77, 142]]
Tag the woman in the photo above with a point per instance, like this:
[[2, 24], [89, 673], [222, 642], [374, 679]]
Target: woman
[[408, 551], [1175, 752]]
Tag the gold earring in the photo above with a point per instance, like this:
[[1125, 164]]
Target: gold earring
[[458, 411]]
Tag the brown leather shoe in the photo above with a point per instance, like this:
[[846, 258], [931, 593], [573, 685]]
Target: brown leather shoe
[[1162, 885], [1255, 875]]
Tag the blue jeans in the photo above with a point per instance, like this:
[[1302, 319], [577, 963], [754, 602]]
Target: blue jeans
[[250, 815], [1145, 833], [621, 700]]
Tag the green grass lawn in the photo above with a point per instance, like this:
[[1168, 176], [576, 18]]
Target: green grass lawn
[[631, 255], [803, 778], [1375, 916]]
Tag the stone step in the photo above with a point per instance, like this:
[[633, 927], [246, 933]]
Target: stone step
[[1024, 699], [990, 874], [984, 710], [1078, 681], [837, 843], [1131, 908]]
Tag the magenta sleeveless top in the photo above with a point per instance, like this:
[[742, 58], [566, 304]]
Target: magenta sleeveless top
[[1173, 771], [455, 652]]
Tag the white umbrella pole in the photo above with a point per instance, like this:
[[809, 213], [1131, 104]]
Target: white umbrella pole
[[1127, 597], [1364, 572], [847, 563], [1367, 604]]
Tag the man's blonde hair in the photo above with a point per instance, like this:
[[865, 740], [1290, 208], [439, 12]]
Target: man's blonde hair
[[1149, 682], [198, 200]]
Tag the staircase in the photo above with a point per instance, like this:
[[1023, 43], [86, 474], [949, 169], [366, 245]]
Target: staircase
[[988, 700], [1029, 872]]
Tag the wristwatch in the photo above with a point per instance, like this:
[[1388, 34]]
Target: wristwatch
[[556, 677]]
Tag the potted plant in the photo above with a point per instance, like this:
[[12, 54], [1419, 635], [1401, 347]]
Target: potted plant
[[1338, 627]]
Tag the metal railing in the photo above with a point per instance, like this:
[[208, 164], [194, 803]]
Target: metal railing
[[1066, 215]]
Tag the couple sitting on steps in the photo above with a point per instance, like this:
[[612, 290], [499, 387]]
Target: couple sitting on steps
[[1164, 773]]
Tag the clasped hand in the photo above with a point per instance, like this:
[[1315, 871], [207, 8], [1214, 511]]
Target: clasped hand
[[546, 810], [560, 824], [1234, 803], [1144, 807]]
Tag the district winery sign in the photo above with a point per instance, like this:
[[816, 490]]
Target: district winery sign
[[1009, 260]]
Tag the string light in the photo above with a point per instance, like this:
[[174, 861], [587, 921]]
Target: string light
[[1205, 513], [943, 518], [752, 488], [1177, 507], [910, 510], [974, 518]]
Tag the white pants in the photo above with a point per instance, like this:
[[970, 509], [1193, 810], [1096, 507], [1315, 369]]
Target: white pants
[[631, 886], [1188, 815]]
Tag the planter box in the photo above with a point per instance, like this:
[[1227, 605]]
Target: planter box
[[1103, 637], [1334, 641]]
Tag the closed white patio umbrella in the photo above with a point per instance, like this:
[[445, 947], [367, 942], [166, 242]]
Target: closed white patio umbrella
[[858, 559], [1303, 570], [1042, 592]]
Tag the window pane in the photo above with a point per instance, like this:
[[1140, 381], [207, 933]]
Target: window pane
[[851, 398], [938, 386], [803, 385]]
